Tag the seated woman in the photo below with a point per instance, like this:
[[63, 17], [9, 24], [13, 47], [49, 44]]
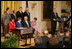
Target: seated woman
[[11, 25], [34, 26], [18, 23]]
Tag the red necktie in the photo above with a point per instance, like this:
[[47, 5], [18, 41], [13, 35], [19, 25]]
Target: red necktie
[[15, 17]]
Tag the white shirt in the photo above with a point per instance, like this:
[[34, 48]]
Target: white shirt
[[27, 23], [7, 12], [19, 21], [20, 11], [68, 16], [55, 14], [28, 13]]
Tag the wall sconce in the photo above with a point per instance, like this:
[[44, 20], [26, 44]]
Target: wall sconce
[[33, 4]]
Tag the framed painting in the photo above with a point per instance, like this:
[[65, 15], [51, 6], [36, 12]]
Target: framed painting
[[47, 8]]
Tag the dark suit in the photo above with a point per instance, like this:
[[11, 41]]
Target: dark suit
[[67, 22], [14, 17], [18, 14], [45, 40], [6, 20], [24, 24], [27, 14], [39, 46], [53, 23]]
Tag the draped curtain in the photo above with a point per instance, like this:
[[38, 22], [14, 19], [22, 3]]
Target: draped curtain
[[12, 5]]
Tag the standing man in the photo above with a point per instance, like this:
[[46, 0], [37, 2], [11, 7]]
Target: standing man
[[27, 13], [20, 13], [13, 16], [6, 20], [54, 17]]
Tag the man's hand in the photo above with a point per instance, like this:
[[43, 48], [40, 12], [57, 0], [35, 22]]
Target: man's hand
[[54, 19]]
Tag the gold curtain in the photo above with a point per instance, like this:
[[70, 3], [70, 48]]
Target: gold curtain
[[12, 5]]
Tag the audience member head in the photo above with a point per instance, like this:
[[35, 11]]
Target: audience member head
[[14, 11], [20, 8], [38, 40], [27, 9], [66, 41], [45, 33], [67, 34], [19, 19], [59, 34], [8, 9], [53, 41], [54, 10], [68, 14], [25, 18]]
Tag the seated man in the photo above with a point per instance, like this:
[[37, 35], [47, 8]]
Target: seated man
[[45, 38], [38, 42], [60, 36], [54, 43], [25, 22], [18, 23], [67, 23], [68, 34], [66, 42], [11, 25]]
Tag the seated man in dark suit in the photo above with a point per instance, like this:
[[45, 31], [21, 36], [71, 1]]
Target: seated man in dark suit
[[66, 42], [45, 38], [60, 36], [25, 22], [38, 42], [54, 43], [18, 23]]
